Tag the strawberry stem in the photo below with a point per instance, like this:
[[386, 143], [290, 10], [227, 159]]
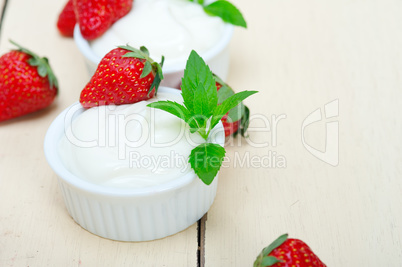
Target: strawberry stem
[[42, 64], [149, 64], [263, 259]]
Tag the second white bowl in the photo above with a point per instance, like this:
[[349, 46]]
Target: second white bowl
[[217, 58]]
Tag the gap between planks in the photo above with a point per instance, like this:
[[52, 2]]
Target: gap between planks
[[3, 11], [201, 241]]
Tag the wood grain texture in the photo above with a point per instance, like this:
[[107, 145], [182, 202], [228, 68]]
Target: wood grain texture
[[302, 55], [35, 228]]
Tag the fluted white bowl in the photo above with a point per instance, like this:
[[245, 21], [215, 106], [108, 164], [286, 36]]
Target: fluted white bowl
[[137, 214], [217, 58]]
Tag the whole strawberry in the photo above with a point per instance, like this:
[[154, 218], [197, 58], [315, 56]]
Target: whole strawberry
[[287, 252], [237, 119], [66, 20], [96, 16], [125, 75], [27, 83]]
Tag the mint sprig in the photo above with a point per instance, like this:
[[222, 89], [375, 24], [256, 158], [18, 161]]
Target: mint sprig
[[225, 10], [202, 112]]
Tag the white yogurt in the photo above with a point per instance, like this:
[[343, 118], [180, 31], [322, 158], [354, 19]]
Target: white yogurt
[[166, 27], [128, 146]]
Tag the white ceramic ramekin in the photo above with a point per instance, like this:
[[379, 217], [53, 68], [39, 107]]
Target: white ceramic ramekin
[[217, 58], [123, 214]]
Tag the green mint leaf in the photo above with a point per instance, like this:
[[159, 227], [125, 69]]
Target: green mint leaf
[[227, 105], [201, 2], [236, 113], [201, 106], [200, 97], [206, 160], [224, 92], [146, 70], [202, 111], [227, 11], [171, 107], [175, 109], [197, 72]]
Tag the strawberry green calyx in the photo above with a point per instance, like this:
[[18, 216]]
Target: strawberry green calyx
[[263, 260], [42, 64], [149, 65]]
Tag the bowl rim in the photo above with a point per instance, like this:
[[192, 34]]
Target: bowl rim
[[57, 129], [85, 49]]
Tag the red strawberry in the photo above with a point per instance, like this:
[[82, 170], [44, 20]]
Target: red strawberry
[[237, 119], [66, 21], [96, 16], [27, 83], [287, 252], [230, 127], [125, 75], [121, 8]]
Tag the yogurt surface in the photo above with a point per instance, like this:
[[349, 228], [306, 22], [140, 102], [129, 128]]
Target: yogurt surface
[[166, 27], [128, 146]]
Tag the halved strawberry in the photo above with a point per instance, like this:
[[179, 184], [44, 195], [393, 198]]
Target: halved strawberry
[[237, 119], [125, 75]]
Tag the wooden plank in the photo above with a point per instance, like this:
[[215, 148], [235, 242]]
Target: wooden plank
[[35, 228], [302, 55]]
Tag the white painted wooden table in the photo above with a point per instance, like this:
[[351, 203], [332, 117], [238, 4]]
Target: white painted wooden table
[[300, 55]]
